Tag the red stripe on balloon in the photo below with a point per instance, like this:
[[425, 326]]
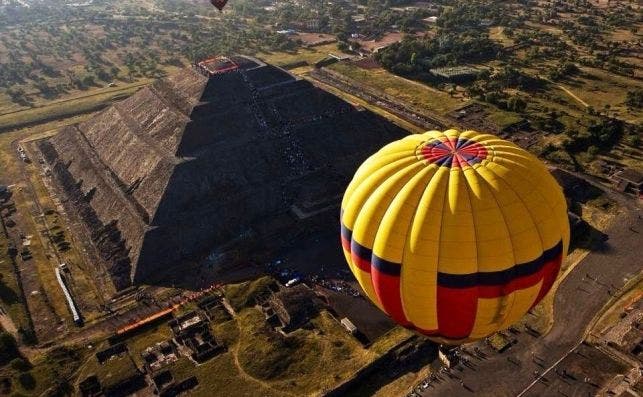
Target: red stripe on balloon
[[387, 289], [497, 291], [361, 263], [457, 308], [549, 274], [427, 332], [346, 244]]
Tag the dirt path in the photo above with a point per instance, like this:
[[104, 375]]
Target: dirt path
[[244, 375], [571, 94], [567, 91]]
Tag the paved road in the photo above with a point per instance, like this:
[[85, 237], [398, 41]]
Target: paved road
[[578, 300]]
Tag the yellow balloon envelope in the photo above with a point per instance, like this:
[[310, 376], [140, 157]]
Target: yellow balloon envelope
[[454, 234]]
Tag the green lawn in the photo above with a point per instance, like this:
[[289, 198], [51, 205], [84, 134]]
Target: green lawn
[[599, 88], [267, 355], [48, 372], [502, 118], [138, 344], [114, 371], [54, 110], [311, 55], [497, 33], [293, 362], [243, 295], [221, 377], [414, 93]]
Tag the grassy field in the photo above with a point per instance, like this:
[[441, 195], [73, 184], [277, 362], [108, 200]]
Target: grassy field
[[55, 110], [497, 34], [243, 295], [293, 362], [358, 101], [412, 92], [50, 295], [138, 344], [260, 362], [11, 299], [311, 55], [599, 88], [502, 118], [10, 294], [47, 374], [222, 375]]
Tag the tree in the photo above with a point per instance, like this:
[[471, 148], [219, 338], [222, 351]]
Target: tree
[[89, 80], [20, 364], [634, 99], [8, 348], [633, 139], [516, 104], [593, 151], [103, 75], [27, 381]]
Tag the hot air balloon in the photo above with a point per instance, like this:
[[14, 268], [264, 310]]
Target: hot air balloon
[[455, 235], [219, 4]]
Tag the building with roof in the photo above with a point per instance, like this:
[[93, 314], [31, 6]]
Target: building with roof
[[118, 376], [629, 180], [194, 333], [349, 326], [292, 308], [456, 73]]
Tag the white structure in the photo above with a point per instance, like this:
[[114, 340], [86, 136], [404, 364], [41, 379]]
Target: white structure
[[348, 324], [70, 301]]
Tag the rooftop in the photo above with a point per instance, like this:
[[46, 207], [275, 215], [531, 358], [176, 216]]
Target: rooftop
[[218, 65], [631, 175]]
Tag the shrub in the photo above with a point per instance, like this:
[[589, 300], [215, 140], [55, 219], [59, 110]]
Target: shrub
[[592, 151], [633, 139], [8, 348], [634, 99], [27, 381], [20, 364]]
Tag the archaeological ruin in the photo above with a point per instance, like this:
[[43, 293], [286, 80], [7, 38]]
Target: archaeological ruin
[[200, 158]]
